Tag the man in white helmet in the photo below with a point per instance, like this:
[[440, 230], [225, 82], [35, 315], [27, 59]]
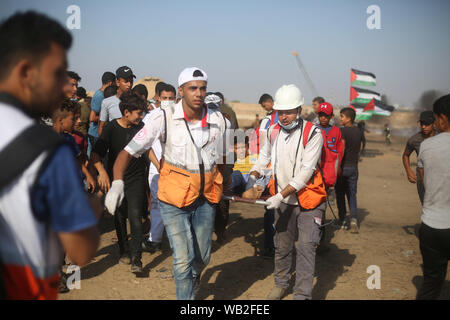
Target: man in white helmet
[[190, 183], [293, 147]]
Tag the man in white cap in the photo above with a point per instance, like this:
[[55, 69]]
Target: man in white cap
[[190, 184], [293, 147]]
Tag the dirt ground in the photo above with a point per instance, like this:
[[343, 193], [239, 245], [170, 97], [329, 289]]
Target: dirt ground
[[389, 215]]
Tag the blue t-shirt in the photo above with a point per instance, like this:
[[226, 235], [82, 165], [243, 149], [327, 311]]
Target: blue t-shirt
[[325, 129], [71, 140], [59, 195], [96, 105]]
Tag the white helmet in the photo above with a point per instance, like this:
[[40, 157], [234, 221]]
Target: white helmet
[[288, 97]]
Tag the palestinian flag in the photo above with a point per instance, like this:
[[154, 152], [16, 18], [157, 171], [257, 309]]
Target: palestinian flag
[[374, 107], [363, 112], [381, 109], [363, 96], [362, 78]]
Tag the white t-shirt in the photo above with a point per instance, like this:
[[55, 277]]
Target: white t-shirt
[[434, 158]]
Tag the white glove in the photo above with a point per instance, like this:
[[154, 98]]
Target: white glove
[[275, 201], [250, 182], [114, 196]]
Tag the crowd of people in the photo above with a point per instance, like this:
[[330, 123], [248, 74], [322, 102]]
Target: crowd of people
[[164, 163]]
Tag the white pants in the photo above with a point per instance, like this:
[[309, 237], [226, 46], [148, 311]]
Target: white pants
[[157, 226]]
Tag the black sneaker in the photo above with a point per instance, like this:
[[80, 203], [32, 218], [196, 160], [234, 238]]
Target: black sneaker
[[342, 224], [220, 237], [345, 225], [136, 265], [63, 288], [150, 246], [268, 253]]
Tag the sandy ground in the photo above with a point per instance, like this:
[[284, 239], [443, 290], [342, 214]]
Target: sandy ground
[[389, 215]]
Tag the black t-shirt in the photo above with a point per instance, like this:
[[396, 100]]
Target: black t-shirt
[[352, 137], [114, 138]]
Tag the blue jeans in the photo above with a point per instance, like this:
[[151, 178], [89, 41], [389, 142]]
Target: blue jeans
[[91, 143], [190, 232], [346, 185], [239, 181]]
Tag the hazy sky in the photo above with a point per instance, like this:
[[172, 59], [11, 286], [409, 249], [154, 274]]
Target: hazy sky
[[245, 46]]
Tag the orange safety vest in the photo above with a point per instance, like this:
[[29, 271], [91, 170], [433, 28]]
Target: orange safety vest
[[181, 181], [314, 193]]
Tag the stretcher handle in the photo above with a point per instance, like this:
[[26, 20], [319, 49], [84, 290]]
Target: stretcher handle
[[244, 200]]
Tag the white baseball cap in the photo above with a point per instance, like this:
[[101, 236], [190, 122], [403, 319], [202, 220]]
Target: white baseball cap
[[191, 74]]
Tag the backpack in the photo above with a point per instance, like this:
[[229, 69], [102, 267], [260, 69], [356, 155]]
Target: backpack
[[314, 193]]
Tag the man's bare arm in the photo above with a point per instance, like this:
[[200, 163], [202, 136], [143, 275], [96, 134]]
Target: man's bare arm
[[409, 173], [80, 246], [94, 117], [100, 127], [152, 157]]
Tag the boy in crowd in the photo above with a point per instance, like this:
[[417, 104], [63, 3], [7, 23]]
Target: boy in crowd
[[85, 111], [113, 139], [142, 92], [110, 109], [228, 111], [69, 92], [242, 165], [266, 102], [153, 243], [346, 185], [214, 101], [362, 126], [413, 144], [313, 116], [64, 120], [108, 78], [331, 155], [434, 234], [387, 133], [70, 89], [155, 102], [110, 91]]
